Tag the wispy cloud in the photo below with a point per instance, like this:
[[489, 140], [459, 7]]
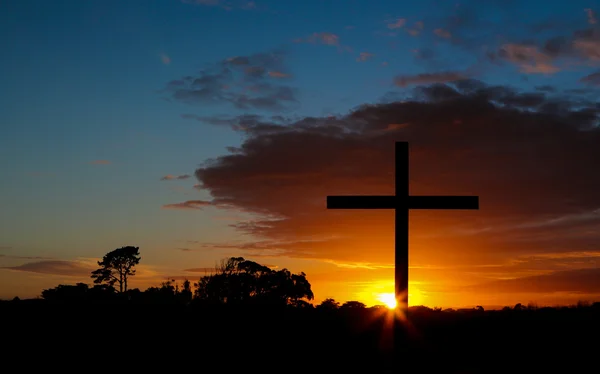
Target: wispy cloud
[[243, 82], [364, 56], [579, 281], [529, 58], [170, 177], [165, 59], [428, 78], [326, 38], [591, 79], [56, 267], [190, 204], [591, 15], [442, 33], [398, 23], [278, 74]]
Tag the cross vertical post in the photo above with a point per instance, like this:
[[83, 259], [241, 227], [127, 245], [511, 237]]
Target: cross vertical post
[[401, 224]]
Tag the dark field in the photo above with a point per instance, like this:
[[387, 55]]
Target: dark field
[[137, 337]]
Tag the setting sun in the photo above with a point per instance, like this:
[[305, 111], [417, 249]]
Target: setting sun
[[388, 299]]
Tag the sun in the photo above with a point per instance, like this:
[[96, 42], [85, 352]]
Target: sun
[[389, 299]]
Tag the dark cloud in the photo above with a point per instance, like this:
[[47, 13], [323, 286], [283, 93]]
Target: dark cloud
[[56, 267], [528, 156], [241, 82]]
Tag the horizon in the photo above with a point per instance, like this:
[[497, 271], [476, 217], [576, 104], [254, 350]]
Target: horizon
[[201, 130]]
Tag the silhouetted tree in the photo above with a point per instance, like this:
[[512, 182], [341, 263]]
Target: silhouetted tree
[[117, 266], [519, 306], [237, 280], [76, 293], [301, 304], [353, 305], [185, 295], [329, 304]]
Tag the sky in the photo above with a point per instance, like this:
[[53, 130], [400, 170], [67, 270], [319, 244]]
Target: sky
[[203, 129]]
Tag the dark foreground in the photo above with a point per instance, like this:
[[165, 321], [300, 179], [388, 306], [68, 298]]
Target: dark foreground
[[120, 338]]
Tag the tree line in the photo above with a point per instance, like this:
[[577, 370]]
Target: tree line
[[235, 281]]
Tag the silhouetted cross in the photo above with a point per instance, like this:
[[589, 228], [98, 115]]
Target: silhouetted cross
[[402, 202]]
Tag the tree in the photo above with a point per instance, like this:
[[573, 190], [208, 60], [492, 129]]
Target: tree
[[329, 304], [353, 305], [237, 280], [117, 266], [66, 293]]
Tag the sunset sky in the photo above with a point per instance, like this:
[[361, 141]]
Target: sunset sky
[[203, 129]]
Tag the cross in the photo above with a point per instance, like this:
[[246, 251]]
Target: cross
[[402, 202]]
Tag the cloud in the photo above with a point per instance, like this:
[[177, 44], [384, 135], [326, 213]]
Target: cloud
[[190, 204], [326, 38], [170, 177], [165, 59], [528, 155], [428, 78], [278, 74], [417, 28], [55, 267], [575, 281], [580, 48], [241, 82], [591, 15], [364, 56], [100, 162], [442, 33], [555, 44], [592, 79], [529, 58], [399, 23]]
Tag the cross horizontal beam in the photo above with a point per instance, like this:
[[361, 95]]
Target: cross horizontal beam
[[402, 202]]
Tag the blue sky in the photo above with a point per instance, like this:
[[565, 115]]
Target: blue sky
[[91, 120]]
